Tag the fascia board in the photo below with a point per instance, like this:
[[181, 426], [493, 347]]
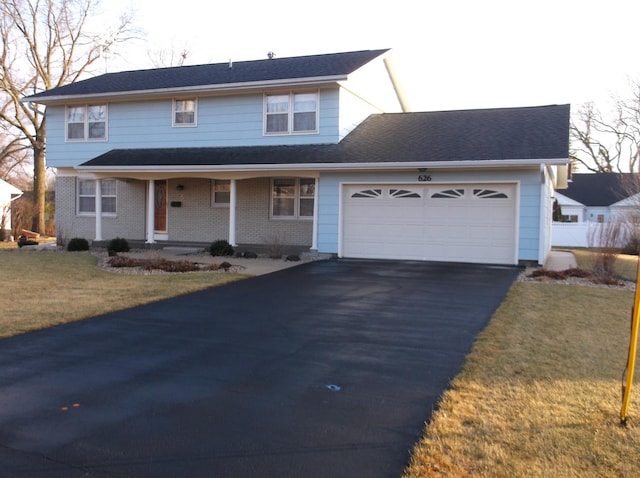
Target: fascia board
[[325, 166], [200, 89]]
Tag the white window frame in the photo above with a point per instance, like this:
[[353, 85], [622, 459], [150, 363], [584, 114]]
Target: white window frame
[[298, 196], [86, 123], [291, 112], [220, 186], [175, 110], [104, 189]]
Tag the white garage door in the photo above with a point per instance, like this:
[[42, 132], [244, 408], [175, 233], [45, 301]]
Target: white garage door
[[440, 222]]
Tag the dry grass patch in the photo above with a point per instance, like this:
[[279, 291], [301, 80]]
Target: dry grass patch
[[625, 265], [539, 395], [41, 289]]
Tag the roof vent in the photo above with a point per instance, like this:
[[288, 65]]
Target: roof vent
[[271, 55], [230, 64]]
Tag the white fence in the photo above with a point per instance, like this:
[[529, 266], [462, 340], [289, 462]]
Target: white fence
[[583, 234]]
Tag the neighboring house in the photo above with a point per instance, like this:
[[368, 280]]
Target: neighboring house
[[8, 193], [591, 199], [312, 152]]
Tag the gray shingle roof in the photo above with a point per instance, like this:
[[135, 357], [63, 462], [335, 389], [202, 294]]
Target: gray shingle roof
[[601, 189], [469, 135], [334, 64]]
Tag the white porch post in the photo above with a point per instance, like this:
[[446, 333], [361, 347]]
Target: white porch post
[[232, 213], [314, 238], [151, 201], [98, 210]]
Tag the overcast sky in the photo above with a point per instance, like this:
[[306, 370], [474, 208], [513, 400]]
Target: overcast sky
[[451, 54]]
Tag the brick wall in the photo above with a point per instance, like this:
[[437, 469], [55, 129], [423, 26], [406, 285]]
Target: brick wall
[[195, 220]]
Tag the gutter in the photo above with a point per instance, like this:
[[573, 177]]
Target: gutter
[[205, 89], [418, 165]]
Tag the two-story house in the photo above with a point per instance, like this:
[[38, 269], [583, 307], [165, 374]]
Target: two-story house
[[314, 152]]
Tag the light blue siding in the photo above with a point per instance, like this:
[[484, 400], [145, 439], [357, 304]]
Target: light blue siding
[[529, 201], [221, 122]]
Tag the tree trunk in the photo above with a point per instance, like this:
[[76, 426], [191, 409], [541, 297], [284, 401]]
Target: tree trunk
[[39, 189]]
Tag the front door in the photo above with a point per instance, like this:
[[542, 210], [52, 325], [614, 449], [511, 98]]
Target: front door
[[160, 210]]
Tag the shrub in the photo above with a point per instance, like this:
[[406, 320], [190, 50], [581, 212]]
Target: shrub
[[118, 244], [78, 244], [221, 248], [632, 247]]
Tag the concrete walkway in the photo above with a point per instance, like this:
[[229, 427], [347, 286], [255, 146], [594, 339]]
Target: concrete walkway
[[254, 267], [560, 261]]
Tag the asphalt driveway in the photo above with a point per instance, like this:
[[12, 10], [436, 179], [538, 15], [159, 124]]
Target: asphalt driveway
[[328, 369]]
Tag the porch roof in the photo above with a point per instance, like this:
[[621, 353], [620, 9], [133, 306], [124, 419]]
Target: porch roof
[[506, 136]]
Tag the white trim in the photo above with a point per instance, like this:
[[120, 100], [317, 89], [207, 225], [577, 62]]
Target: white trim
[[174, 111], [297, 198], [214, 203], [151, 201], [316, 203], [387, 166], [232, 212], [85, 138], [290, 94], [542, 213], [200, 89], [98, 209]]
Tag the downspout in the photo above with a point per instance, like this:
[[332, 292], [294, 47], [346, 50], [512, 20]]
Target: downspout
[[544, 234]]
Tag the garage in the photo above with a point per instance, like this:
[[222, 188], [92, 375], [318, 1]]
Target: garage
[[465, 222]]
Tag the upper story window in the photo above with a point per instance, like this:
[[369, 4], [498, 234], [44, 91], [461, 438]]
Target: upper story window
[[185, 112], [87, 123], [87, 196], [291, 113]]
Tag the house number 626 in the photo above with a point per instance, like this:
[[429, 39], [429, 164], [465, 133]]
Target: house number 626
[[424, 177]]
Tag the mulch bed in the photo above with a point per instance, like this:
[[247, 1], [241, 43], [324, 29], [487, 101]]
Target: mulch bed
[[574, 276]]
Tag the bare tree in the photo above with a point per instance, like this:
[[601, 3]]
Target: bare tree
[[46, 44], [162, 57], [608, 144]]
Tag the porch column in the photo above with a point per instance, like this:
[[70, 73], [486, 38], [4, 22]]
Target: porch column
[[151, 202], [232, 213], [314, 238], [98, 210]]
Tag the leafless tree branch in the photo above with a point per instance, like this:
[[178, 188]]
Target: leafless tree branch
[[45, 44]]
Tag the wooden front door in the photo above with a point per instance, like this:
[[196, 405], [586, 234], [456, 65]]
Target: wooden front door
[[160, 210]]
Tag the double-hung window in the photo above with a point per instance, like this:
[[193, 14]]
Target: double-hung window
[[87, 123], [87, 196], [291, 113], [220, 192], [292, 198], [185, 112]]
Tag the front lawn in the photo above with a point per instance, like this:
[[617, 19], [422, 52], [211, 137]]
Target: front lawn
[[41, 289], [540, 393]]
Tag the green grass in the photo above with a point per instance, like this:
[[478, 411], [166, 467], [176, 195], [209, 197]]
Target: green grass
[[41, 289]]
